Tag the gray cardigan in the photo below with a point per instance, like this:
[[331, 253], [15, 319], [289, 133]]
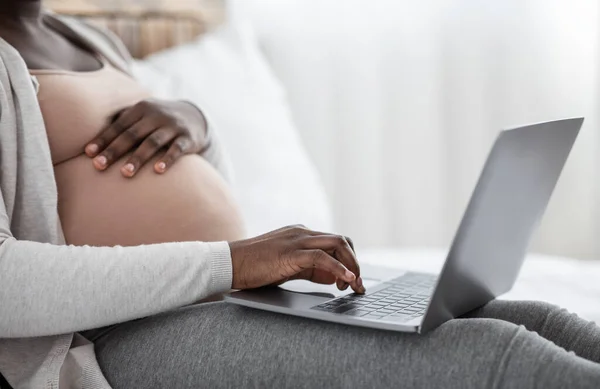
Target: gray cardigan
[[49, 291]]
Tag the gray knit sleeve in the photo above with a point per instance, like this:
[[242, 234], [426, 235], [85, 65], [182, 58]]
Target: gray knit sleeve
[[50, 289]]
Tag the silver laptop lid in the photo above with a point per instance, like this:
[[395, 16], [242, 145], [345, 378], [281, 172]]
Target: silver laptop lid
[[507, 204]]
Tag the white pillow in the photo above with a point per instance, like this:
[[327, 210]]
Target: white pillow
[[226, 75]]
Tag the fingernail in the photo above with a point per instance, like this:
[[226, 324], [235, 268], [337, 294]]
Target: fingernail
[[359, 282], [161, 166], [129, 167], [362, 289], [345, 286], [92, 148], [101, 160]]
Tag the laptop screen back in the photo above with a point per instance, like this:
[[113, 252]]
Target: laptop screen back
[[506, 206]]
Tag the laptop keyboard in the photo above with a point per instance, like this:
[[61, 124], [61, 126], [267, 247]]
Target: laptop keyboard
[[406, 298]]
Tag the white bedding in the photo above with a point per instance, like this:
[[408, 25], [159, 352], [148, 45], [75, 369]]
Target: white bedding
[[570, 283], [225, 74], [278, 185]]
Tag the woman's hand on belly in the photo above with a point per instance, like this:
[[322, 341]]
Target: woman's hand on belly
[[144, 129]]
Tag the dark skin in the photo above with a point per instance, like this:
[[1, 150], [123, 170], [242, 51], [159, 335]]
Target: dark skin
[[153, 126], [146, 129], [22, 25]]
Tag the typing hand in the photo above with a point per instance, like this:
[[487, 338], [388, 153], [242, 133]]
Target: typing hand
[[295, 252]]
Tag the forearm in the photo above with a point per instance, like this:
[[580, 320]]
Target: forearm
[[48, 289]]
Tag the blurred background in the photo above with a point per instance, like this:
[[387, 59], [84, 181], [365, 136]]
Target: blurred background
[[398, 103], [373, 118]]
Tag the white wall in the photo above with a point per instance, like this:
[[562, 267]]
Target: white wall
[[398, 103]]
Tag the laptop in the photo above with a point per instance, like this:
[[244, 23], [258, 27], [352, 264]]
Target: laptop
[[484, 259]]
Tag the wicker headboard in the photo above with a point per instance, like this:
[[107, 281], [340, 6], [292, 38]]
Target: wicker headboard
[[147, 26]]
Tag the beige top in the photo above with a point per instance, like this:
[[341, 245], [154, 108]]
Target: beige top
[[190, 202]]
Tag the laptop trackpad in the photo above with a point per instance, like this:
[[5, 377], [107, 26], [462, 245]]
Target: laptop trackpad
[[327, 291]]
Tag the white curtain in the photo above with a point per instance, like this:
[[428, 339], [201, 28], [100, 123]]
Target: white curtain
[[398, 103]]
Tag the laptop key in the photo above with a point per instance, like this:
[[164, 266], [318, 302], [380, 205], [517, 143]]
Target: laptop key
[[372, 316], [345, 308], [356, 312], [378, 304], [365, 308], [378, 295], [408, 291]]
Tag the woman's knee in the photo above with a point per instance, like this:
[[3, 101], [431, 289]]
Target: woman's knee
[[517, 312], [488, 333]]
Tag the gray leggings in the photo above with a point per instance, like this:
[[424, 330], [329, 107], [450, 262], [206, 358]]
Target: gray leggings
[[217, 345]]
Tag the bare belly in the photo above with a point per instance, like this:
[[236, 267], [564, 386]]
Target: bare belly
[[190, 202]]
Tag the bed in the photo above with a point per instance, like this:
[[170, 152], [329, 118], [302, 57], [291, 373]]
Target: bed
[[149, 26]]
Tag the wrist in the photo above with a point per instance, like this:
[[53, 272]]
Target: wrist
[[237, 252], [234, 268], [201, 123]]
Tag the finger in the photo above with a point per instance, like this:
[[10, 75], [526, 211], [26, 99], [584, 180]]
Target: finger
[[317, 276], [147, 149], [319, 259], [349, 260], [359, 279], [181, 146], [351, 243], [342, 285], [341, 250], [123, 120], [336, 244], [124, 143]]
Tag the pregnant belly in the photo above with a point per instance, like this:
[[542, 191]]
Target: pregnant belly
[[190, 202]]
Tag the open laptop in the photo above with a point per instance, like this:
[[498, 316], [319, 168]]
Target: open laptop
[[484, 260]]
